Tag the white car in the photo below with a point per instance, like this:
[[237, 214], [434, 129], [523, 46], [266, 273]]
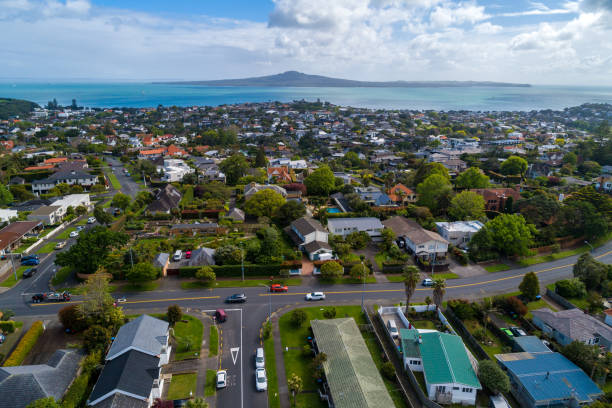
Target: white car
[[315, 296], [259, 358], [74, 234], [91, 220], [427, 282], [221, 379], [261, 383]]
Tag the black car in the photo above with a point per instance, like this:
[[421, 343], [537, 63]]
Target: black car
[[236, 298], [29, 272], [37, 298]]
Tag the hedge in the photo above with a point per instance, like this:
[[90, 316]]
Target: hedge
[[228, 271], [25, 345], [77, 394], [393, 266], [7, 326]]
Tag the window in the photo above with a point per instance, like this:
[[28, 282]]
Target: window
[[469, 390], [456, 388]]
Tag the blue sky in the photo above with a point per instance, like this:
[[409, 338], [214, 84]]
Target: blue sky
[[539, 42]]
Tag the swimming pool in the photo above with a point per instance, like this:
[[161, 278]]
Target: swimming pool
[[333, 210]]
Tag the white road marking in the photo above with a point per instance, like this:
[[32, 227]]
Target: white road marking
[[234, 351]]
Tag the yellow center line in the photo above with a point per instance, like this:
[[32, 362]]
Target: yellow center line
[[136, 301]]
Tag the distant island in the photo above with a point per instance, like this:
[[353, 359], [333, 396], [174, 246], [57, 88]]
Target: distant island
[[15, 107], [299, 79]]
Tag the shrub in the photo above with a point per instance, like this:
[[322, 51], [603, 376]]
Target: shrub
[[331, 270], [267, 330], [329, 313], [7, 327], [388, 371], [492, 377], [96, 338], [515, 305], [72, 319], [358, 271], [298, 317], [6, 314], [462, 308], [174, 314], [571, 288], [206, 274], [26, 344]]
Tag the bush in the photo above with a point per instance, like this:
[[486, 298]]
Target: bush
[[7, 327], [515, 305], [358, 271], [206, 274], [329, 313], [462, 308], [6, 314], [96, 338], [571, 288], [331, 270], [267, 330], [174, 314], [26, 344], [72, 319], [492, 377], [298, 317], [388, 371]]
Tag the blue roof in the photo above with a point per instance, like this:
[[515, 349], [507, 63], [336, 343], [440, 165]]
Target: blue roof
[[531, 344], [550, 376]]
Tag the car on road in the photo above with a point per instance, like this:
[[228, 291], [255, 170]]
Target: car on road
[[80, 228], [187, 254], [28, 273], [74, 234], [427, 282], [38, 297], [60, 245], [221, 379], [278, 288], [261, 383], [30, 262], [259, 358], [315, 296], [91, 220], [236, 298], [25, 258]]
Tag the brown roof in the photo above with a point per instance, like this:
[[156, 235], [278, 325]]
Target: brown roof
[[405, 227], [15, 231], [495, 193]]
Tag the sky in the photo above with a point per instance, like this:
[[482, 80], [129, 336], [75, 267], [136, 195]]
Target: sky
[[563, 42]]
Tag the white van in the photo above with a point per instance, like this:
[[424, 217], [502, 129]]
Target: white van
[[392, 327], [177, 255]]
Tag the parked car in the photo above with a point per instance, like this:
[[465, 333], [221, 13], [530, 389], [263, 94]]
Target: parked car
[[91, 220], [80, 228], [60, 245], [392, 327], [427, 282], [74, 234], [221, 379], [236, 298], [38, 297], [278, 288], [30, 262], [507, 331], [25, 258], [261, 383], [259, 358], [2, 338], [517, 331], [29, 272], [315, 296], [187, 254]]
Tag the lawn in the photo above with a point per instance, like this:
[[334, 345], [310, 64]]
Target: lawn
[[295, 339], [213, 342], [497, 267], [10, 281], [211, 383], [181, 385], [423, 324], [188, 338], [270, 355], [65, 234], [48, 247], [351, 257], [395, 278], [446, 276], [379, 259], [139, 287], [494, 345], [239, 284], [83, 221], [113, 180], [564, 254]]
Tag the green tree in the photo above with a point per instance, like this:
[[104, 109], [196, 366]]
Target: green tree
[[121, 201], [467, 205], [270, 244], [514, 166], [80, 210], [174, 314], [234, 167], [5, 195], [331, 270], [506, 234], [427, 169], [206, 274], [298, 317], [321, 182], [96, 338], [102, 216], [264, 203], [530, 286], [539, 208], [294, 383], [142, 272], [260, 158], [359, 271], [590, 271], [72, 319], [493, 377], [289, 212], [439, 289], [98, 306], [358, 239], [228, 255], [411, 279], [197, 402], [570, 158], [388, 239], [472, 178], [581, 218], [48, 402], [435, 193], [585, 357]]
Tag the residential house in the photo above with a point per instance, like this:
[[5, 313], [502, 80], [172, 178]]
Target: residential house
[[201, 257], [31, 205], [459, 233], [253, 188], [162, 260], [22, 385], [608, 317], [131, 376], [174, 170], [280, 174], [455, 166], [236, 214], [12, 235], [496, 199], [7, 214], [151, 153], [604, 184], [373, 196], [450, 377], [346, 178], [311, 237], [400, 194], [569, 325], [166, 199], [345, 226], [73, 177], [74, 201], [423, 244], [547, 379], [48, 215]]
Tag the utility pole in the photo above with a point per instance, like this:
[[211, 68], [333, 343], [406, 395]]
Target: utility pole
[[587, 242], [131, 258], [242, 261], [269, 300], [13, 264], [363, 270]]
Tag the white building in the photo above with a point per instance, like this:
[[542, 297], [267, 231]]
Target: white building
[[6, 215], [346, 226], [174, 170], [310, 237], [459, 233]]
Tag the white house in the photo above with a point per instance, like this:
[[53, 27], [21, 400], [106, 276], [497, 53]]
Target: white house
[[7, 215], [74, 201], [174, 170], [459, 233], [310, 237], [424, 244], [72, 177], [48, 214], [346, 226]]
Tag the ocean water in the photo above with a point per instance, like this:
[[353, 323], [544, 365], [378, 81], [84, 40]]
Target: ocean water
[[103, 95]]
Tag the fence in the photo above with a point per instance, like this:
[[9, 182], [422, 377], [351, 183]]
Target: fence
[[467, 336], [560, 300]]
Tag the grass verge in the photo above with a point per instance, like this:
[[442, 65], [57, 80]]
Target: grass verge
[[496, 268], [61, 276], [181, 385], [10, 281], [188, 336], [273, 397], [213, 342], [48, 247], [347, 280], [564, 254], [210, 388], [113, 180], [65, 234], [139, 287], [238, 283], [447, 276]]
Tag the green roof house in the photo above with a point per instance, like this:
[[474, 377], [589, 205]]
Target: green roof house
[[444, 361]]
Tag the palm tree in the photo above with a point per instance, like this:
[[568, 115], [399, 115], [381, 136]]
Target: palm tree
[[439, 288], [411, 278]]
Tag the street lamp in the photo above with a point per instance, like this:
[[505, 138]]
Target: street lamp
[[363, 270], [587, 242], [242, 260], [269, 299]]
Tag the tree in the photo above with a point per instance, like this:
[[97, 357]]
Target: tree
[[174, 314], [493, 377], [234, 167], [121, 201], [270, 244], [530, 286], [388, 239], [514, 166], [142, 272], [358, 239], [439, 289], [298, 317], [289, 212], [427, 169], [506, 234], [570, 158], [72, 319], [467, 205], [102, 216], [435, 192], [472, 178], [411, 279], [331, 270], [197, 402], [583, 355], [98, 306], [96, 338], [591, 272], [359, 271], [264, 203], [48, 402], [80, 210], [321, 182], [260, 158], [294, 383], [206, 274], [228, 255], [91, 249], [571, 288], [581, 218], [540, 208], [5, 195]]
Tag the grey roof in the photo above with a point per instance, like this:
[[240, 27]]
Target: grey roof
[[403, 227], [145, 333], [65, 175], [316, 245], [574, 323], [253, 188], [307, 225], [202, 256], [362, 223], [531, 344], [352, 376], [161, 259], [166, 199], [45, 210], [132, 372], [236, 214], [119, 400], [21, 385]]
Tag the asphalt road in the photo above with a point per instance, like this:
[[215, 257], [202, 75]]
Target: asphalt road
[[128, 185]]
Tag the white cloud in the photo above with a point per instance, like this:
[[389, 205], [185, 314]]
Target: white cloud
[[488, 28], [540, 9], [457, 14]]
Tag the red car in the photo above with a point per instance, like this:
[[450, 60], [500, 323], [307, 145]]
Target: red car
[[278, 288], [187, 254]]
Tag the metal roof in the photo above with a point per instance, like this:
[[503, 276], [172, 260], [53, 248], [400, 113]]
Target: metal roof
[[145, 333], [361, 223], [352, 376]]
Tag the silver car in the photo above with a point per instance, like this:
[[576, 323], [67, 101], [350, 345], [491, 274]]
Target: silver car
[[221, 379], [261, 382]]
